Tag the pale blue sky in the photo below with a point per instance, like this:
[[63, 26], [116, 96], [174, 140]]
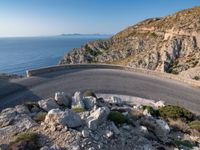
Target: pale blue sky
[[53, 17]]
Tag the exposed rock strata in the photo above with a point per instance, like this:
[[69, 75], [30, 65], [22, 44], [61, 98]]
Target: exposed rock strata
[[169, 44]]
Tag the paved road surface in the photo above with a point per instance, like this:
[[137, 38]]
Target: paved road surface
[[100, 81]]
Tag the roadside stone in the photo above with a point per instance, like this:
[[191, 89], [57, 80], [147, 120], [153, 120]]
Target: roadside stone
[[109, 133], [77, 100], [66, 118], [114, 128], [159, 104], [89, 102], [143, 129], [48, 104], [85, 133], [165, 127], [7, 116], [20, 123], [159, 130], [146, 113], [115, 100], [97, 117], [21, 109], [53, 147], [62, 99]]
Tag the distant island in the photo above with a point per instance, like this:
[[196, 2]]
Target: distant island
[[80, 34]]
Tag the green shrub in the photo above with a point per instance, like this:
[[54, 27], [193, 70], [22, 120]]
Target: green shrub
[[40, 116], [196, 78], [175, 112], [151, 110], [78, 109], [183, 143], [29, 136], [117, 117], [88, 93], [195, 125]]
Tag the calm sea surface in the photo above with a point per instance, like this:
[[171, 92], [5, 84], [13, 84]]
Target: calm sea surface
[[19, 54]]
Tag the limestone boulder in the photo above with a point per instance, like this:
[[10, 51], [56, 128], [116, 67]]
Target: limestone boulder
[[89, 102], [62, 99], [77, 100], [7, 116], [48, 104], [97, 117], [67, 118]]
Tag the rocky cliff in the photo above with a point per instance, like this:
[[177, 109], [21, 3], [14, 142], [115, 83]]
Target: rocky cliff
[[169, 44]]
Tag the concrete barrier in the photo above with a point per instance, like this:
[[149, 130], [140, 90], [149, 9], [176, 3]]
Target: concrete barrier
[[50, 69]]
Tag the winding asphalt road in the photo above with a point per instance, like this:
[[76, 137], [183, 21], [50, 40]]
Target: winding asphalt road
[[101, 81]]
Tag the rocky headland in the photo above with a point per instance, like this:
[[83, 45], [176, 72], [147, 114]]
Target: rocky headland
[[85, 121], [169, 44]]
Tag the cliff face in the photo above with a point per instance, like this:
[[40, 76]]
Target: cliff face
[[169, 44]]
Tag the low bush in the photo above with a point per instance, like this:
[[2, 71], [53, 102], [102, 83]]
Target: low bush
[[117, 117], [175, 112], [195, 125], [88, 93], [183, 143], [78, 109], [151, 110], [25, 141], [40, 116], [29, 136]]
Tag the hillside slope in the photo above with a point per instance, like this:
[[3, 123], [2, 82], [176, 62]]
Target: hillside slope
[[169, 44]]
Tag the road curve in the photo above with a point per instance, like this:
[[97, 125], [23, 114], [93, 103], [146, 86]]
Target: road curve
[[110, 81]]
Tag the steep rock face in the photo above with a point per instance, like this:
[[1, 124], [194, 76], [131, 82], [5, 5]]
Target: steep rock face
[[169, 44]]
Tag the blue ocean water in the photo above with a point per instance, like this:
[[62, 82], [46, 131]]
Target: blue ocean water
[[22, 53]]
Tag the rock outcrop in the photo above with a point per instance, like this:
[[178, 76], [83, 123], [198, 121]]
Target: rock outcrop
[[99, 124], [169, 44]]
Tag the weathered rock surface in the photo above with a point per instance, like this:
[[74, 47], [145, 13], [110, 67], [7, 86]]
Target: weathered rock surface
[[67, 117], [93, 128], [77, 100], [62, 98], [48, 104], [170, 44], [97, 117], [89, 102]]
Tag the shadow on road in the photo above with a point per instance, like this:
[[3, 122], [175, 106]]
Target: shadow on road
[[9, 92]]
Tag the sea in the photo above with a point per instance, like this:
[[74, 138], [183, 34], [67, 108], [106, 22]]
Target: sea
[[18, 54]]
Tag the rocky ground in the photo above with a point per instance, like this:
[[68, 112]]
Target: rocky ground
[[87, 122], [169, 44]]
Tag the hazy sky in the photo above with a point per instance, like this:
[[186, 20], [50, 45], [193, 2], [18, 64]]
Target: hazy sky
[[52, 17]]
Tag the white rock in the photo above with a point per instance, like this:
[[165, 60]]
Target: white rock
[[89, 102], [67, 117], [62, 98], [77, 100], [143, 129], [21, 109], [7, 116], [85, 133], [48, 104], [114, 129], [109, 133], [53, 147], [97, 117], [146, 113], [163, 125], [115, 100], [159, 104], [19, 124]]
